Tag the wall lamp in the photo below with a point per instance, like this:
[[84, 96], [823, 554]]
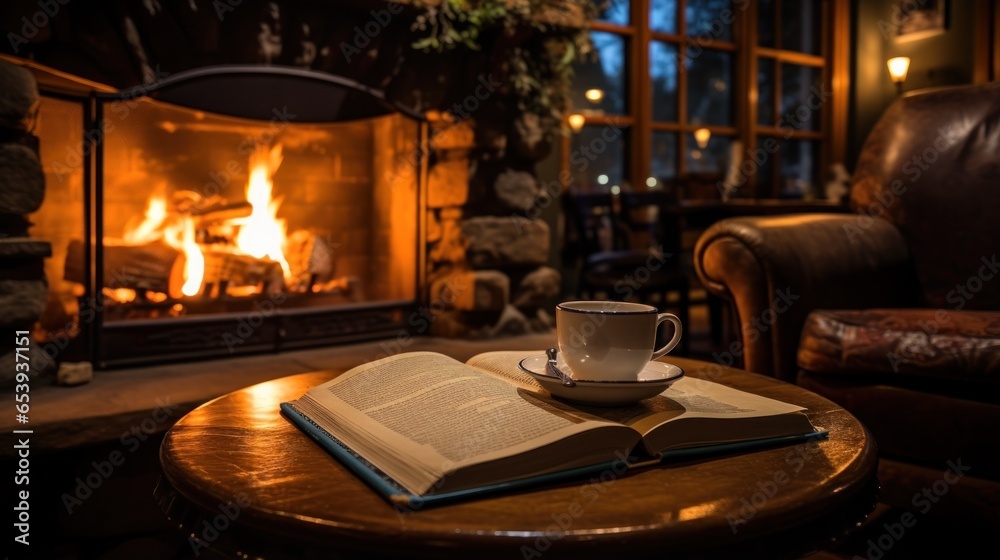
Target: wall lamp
[[898, 67]]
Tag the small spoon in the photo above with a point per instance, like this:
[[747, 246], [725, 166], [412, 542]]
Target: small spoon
[[553, 369]]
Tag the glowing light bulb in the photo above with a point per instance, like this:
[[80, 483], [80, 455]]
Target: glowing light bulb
[[602, 179], [615, 189], [650, 182], [701, 136], [898, 67], [576, 122], [594, 95]]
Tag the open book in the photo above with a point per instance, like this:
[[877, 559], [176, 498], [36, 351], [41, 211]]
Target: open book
[[422, 426]]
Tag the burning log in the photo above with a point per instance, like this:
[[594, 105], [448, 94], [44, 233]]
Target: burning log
[[222, 212], [230, 269], [157, 267], [138, 267], [310, 259], [349, 286]]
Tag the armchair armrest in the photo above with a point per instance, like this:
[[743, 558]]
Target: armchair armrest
[[775, 270]]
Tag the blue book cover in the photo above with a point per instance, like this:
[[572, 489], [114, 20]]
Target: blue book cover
[[400, 497]]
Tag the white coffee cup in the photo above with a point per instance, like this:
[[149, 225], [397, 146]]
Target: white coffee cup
[[610, 340]]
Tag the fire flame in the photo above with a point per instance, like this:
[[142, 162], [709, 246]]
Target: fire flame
[[263, 234], [181, 237], [150, 228]]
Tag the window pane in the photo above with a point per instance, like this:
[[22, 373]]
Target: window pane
[[799, 168], [705, 18], [663, 15], [613, 11], [604, 71], [800, 26], [765, 23], [712, 159], [663, 74], [597, 158], [800, 97], [765, 91], [762, 166], [663, 157], [709, 86]]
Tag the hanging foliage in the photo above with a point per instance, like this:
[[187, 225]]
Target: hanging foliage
[[540, 70]]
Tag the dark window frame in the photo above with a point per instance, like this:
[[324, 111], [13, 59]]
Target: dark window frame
[[833, 60]]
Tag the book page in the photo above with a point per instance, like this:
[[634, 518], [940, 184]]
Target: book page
[[437, 411], [693, 398], [505, 364], [708, 399]]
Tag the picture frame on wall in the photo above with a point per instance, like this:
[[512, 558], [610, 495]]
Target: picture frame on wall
[[918, 19]]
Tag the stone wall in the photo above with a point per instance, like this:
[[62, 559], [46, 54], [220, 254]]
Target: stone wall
[[24, 289], [486, 262]]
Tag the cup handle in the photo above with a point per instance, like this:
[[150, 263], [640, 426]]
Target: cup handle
[[678, 328]]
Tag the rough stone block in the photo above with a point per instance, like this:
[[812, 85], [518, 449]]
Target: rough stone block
[[22, 302], [21, 247], [448, 291], [495, 241], [529, 138], [448, 183], [18, 94], [492, 143], [74, 373], [450, 324], [451, 214], [537, 288], [457, 136], [473, 290], [451, 247], [542, 322], [492, 290], [433, 227], [517, 189], [511, 323], [22, 182], [492, 126]]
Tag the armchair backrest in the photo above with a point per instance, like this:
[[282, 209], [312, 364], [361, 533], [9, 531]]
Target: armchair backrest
[[931, 166]]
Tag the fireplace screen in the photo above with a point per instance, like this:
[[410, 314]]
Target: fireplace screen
[[211, 235]]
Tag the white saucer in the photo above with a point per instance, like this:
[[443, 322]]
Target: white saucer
[[652, 380]]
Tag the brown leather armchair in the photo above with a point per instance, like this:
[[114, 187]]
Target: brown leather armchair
[[891, 312]]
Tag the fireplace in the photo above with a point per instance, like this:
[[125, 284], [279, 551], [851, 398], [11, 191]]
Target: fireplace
[[189, 220], [392, 193]]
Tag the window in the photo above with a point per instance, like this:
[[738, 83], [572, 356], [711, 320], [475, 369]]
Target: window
[[701, 86], [791, 96], [596, 155]]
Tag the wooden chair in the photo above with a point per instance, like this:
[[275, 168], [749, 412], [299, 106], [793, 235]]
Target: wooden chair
[[654, 227], [615, 263]]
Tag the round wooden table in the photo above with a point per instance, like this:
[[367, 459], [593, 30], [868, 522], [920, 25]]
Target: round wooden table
[[240, 479]]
